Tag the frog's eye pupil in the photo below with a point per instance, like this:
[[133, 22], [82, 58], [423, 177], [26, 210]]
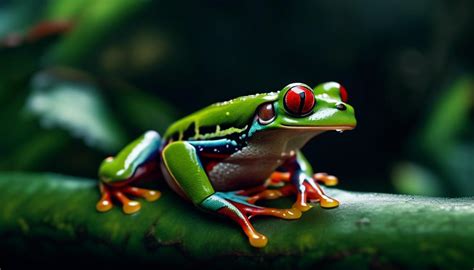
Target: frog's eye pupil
[[299, 100], [343, 94], [266, 113]]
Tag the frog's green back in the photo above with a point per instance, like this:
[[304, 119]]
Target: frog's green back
[[219, 118]]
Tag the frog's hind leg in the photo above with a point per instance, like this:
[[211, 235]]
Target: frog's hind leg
[[135, 161], [238, 209], [184, 168], [241, 202]]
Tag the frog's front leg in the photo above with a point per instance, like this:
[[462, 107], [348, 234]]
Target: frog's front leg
[[116, 174], [300, 180], [185, 169]]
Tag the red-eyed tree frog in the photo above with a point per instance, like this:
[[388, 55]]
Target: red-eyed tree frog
[[227, 156]]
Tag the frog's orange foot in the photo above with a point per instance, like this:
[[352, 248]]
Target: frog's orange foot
[[128, 206], [316, 194], [235, 206], [256, 239], [308, 191], [247, 211]]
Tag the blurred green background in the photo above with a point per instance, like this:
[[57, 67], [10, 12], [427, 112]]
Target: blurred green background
[[79, 79]]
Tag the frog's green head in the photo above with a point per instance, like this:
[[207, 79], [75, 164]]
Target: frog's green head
[[300, 107]]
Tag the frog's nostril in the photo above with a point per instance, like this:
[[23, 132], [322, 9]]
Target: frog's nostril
[[341, 106]]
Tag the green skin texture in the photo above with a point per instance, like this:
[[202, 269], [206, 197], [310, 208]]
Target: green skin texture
[[178, 151]]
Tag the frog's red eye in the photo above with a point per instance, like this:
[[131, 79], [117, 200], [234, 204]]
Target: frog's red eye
[[299, 100], [266, 113], [343, 94]]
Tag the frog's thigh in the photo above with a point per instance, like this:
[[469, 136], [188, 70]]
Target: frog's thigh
[[183, 164]]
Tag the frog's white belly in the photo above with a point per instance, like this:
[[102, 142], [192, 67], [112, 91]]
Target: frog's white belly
[[252, 165], [238, 172]]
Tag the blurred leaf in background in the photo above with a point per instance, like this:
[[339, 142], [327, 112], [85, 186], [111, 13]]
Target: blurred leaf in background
[[444, 146], [67, 100], [95, 22], [63, 119]]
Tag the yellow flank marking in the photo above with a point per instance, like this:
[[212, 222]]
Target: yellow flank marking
[[196, 129], [218, 133]]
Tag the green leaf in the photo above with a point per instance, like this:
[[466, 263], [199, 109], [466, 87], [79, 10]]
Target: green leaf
[[411, 178], [460, 167], [93, 21], [68, 100], [444, 143], [448, 119], [46, 216]]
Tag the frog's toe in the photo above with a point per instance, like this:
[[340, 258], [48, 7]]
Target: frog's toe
[[326, 179], [302, 206], [152, 195], [105, 203], [293, 213], [128, 206], [327, 202], [301, 202], [258, 240], [316, 194], [131, 207]]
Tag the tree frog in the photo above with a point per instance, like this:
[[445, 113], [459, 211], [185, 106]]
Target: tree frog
[[226, 157]]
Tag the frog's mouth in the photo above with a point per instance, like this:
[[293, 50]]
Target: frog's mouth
[[321, 128]]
